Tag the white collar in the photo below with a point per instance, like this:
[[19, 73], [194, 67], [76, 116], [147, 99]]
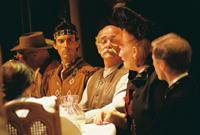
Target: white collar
[[144, 68], [177, 78], [109, 70]]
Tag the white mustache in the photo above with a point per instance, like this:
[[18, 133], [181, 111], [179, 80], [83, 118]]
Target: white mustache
[[109, 50]]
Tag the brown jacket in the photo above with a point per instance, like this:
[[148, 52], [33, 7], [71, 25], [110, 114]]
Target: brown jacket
[[73, 83], [101, 90], [39, 76]]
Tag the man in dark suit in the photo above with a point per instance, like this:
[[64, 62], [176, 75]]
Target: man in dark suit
[[179, 114]]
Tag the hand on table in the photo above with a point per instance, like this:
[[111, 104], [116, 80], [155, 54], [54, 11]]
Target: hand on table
[[102, 116], [114, 117]]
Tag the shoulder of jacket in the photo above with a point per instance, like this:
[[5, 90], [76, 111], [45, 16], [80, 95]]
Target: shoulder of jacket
[[88, 70], [85, 67], [49, 73]]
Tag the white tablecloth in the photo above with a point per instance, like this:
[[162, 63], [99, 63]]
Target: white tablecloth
[[93, 129]]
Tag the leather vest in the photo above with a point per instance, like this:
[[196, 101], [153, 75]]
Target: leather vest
[[101, 90]]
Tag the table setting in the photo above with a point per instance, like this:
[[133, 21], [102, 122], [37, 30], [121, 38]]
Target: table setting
[[70, 104]]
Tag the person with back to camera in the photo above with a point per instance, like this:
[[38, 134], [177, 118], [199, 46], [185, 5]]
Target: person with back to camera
[[71, 76], [107, 87], [142, 101], [19, 78], [179, 114], [37, 52], [2, 109]]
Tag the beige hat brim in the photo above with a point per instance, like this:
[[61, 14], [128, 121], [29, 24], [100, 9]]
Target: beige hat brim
[[49, 44]]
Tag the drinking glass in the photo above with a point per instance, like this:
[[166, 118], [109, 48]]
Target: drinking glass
[[70, 104]]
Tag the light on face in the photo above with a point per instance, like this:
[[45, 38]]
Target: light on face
[[108, 39], [65, 40], [120, 51], [153, 60]]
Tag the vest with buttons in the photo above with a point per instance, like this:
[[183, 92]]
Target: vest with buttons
[[101, 90]]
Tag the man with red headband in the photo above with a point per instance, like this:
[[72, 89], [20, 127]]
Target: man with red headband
[[71, 76]]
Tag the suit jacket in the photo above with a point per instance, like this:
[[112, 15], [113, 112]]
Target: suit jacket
[[179, 114]]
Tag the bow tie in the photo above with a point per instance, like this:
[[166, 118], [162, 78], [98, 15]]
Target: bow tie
[[133, 75], [139, 79]]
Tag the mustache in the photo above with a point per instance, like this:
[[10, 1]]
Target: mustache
[[109, 50]]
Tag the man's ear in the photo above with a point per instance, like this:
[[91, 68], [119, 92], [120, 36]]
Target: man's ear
[[54, 45], [162, 65], [134, 52], [78, 43]]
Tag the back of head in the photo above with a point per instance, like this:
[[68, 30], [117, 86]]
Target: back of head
[[174, 51], [17, 77]]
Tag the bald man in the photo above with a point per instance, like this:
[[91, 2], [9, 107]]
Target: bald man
[[107, 87]]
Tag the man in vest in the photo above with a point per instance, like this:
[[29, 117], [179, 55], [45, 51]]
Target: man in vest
[[107, 87]]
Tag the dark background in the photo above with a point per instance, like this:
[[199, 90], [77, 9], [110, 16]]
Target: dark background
[[178, 16]]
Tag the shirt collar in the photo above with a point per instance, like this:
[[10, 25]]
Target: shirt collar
[[139, 79], [67, 65], [109, 70], [177, 78], [142, 74]]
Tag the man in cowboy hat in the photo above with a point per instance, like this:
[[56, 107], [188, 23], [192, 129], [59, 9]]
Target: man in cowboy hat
[[71, 76], [34, 50]]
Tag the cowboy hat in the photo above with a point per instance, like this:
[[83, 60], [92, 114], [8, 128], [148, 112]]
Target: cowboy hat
[[33, 40]]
